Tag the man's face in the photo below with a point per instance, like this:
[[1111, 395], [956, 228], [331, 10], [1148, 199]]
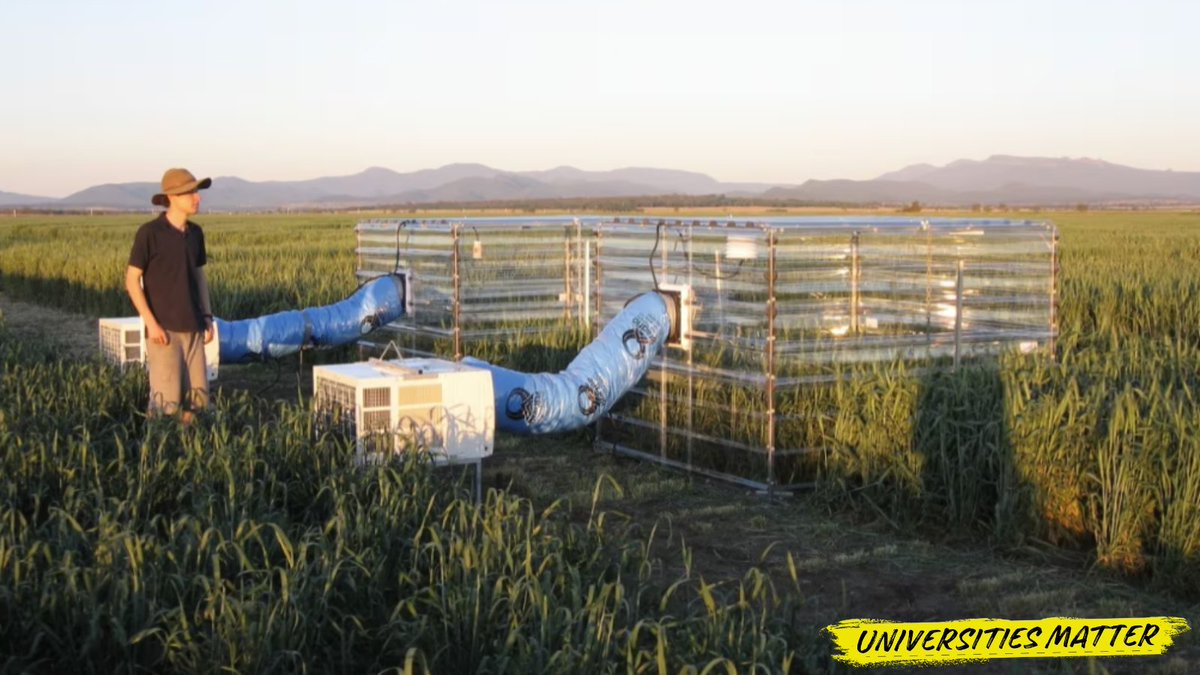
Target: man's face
[[188, 202]]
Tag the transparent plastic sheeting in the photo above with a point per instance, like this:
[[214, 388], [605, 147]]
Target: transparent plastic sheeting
[[478, 278], [843, 291], [374, 304], [778, 305], [784, 305], [601, 374]]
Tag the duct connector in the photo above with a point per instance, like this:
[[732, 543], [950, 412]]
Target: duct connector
[[376, 303], [598, 376]]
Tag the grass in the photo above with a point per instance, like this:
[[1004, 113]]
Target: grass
[[1090, 460], [249, 542]]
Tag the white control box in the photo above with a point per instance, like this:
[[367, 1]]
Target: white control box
[[431, 405], [681, 332]]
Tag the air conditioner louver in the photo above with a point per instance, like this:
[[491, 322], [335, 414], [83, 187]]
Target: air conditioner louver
[[122, 342]]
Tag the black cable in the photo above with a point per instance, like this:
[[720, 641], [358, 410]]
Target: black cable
[[399, 226], [396, 266], [278, 374], [657, 238]]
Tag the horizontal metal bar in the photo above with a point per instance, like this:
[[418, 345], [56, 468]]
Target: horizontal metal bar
[[723, 442], [674, 464]]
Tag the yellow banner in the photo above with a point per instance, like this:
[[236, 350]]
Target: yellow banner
[[867, 642]]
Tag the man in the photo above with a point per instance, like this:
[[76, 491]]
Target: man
[[165, 280]]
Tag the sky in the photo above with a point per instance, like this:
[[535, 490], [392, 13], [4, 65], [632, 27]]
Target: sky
[[742, 90]]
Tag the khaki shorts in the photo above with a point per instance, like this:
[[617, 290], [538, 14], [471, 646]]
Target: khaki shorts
[[177, 373]]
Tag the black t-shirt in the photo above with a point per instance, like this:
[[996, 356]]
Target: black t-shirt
[[170, 260]]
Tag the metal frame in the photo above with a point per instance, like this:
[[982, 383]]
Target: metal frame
[[955, 341], [939, 308]]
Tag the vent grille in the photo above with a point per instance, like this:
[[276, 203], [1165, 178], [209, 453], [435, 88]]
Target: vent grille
[[119, 344], [110, 340], [376, 420], [377, 397], [334, 398]]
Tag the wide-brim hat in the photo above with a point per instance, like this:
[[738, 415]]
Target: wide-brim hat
[[178, 182]]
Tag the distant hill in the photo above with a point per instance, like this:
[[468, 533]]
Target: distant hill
[[14, 199], [863, 191], [1009, 180], [995, 180], [904, 192], [1001, 174], [380, 186], [110, 196]]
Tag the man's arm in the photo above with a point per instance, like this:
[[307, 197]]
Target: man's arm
[[133, 286], [205, 304]]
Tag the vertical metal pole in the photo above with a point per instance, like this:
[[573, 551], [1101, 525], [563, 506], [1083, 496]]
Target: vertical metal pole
[[455, 233], [928, 289], [1054, 296], [357, 269], [578, 274], [596, 327], [691, 376], [854, 284], [720, 291], [566, 275], [587, 285], [771, 311], [958, 310], [412, 279], [599, 285], [662, 357]]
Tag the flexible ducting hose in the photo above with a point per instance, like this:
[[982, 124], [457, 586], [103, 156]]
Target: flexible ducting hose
[[375, 303], [615, 361]]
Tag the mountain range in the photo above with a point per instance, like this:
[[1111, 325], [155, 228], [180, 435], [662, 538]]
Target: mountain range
[[995, 180], [1004, 179]]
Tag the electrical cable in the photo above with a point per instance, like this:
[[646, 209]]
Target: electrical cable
[[278, 375], [657, 238], [399, 226]]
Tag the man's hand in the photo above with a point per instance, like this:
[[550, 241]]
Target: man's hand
[[209, 331], [156, 334]]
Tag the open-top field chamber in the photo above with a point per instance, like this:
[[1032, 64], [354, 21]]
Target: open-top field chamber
[[482, 282], [770, 311]]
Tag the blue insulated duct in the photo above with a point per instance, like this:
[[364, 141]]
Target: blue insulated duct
[[374, 304], [599, 375]]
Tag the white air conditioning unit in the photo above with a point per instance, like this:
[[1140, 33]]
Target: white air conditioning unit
[[431, 405], [123, 341]]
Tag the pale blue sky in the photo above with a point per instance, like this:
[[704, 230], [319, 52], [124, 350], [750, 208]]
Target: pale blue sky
[[744, 90]]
